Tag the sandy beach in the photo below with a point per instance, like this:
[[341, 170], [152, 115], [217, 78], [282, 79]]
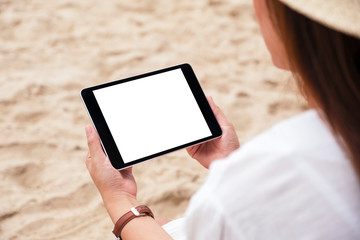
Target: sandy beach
[[50, 50]]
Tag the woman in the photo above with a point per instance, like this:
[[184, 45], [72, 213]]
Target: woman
[[300, 179]]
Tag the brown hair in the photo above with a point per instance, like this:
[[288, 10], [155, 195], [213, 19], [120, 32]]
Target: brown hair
[[326, 66]]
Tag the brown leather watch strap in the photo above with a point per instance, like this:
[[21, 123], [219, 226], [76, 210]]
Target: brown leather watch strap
[[134, 212]]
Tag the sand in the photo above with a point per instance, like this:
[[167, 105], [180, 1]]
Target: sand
[[50, 50]]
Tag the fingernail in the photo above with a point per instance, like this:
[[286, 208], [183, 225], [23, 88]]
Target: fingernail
[[212, 100], [88, 130]]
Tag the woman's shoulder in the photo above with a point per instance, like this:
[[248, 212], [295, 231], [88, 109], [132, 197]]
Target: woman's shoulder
[[304, 134], [285, 150], [296, 166]]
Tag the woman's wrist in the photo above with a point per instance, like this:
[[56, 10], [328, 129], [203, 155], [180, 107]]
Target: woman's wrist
[[138, 228], [119, 204]]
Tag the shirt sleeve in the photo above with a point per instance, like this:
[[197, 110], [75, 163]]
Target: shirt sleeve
[[176, 229], [203, 221], [206, 220]]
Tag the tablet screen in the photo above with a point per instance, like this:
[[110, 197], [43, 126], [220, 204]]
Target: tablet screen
[[148, 115], [152, 114]]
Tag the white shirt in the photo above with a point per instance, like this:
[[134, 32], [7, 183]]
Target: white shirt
[[291, 182]]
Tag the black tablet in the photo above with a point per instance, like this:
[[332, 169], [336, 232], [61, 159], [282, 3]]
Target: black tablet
[[148, 115]]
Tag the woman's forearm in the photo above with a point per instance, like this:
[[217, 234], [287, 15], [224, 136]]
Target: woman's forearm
[[139, 228]]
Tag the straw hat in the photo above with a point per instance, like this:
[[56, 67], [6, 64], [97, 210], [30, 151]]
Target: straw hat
[[340, 15]]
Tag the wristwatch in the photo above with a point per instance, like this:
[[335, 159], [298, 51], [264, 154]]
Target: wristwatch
[[134, 212]]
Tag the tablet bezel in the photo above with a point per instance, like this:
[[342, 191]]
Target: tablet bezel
[[107, 140]]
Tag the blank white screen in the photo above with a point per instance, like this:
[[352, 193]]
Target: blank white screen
[[152, 114]]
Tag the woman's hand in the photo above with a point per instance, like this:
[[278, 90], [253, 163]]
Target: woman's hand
[[117, 188], [218, 148]]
